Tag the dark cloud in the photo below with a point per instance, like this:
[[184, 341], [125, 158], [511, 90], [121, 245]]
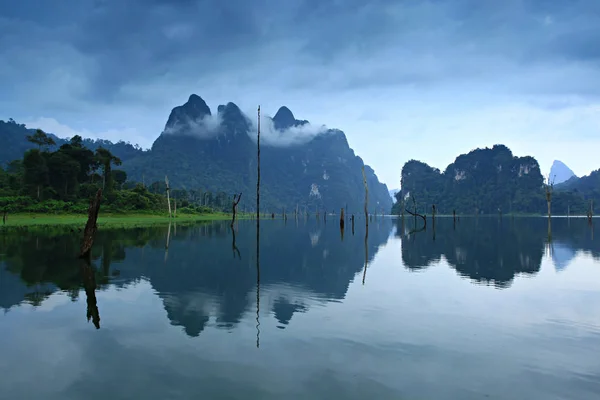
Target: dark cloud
[[415, 69], [102, 50]]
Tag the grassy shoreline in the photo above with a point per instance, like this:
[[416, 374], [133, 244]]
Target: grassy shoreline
[[107, 219]]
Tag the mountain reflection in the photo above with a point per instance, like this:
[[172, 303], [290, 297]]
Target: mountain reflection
[[202, 284], [200, 281], [493, 250]]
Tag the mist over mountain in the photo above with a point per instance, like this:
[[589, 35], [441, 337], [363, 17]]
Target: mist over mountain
[[303, 165], [560, 173]]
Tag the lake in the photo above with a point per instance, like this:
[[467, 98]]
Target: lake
[[487, 308]]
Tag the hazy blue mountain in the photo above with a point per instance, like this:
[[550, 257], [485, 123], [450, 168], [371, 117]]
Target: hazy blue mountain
[[14, 143], [560, 173], [301, 165]]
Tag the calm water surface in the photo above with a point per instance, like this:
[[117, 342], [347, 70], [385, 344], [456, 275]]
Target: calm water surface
[[485, 309]]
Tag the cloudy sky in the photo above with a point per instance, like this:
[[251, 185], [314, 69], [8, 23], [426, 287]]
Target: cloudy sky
[[422, 79]]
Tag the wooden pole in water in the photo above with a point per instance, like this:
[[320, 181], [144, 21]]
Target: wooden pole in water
[[168, 195], [549, 188], [366, 197], [258, 172], [342, 219]]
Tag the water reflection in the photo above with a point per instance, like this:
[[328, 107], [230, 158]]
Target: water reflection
[[189, 327], [295, 266], [199, 279], [494, 250]]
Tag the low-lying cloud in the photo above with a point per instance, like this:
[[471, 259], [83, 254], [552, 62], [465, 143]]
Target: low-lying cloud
[[207, 127], [210, 126], [292, 136]]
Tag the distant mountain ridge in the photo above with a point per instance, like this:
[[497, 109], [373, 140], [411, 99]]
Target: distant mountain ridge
[[560, 173], [299, 167], [490, 181], [302, 166], [15, 144]]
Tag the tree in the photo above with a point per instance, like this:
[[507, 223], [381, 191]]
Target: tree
[[119, 177], [76, 141], [35, 171], [41, 139], [63, 173], [85, 158], [105, 158]]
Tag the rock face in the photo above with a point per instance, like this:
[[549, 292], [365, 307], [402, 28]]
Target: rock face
[[560, 173], [299, 166], [482, 181]]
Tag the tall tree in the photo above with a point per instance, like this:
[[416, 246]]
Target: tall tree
[[86, 159], [41, 139], [106, 159], [35, 172], [63, 172]]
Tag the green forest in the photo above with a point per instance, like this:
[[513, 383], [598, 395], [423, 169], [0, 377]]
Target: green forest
[[62, 180], [491, 181]]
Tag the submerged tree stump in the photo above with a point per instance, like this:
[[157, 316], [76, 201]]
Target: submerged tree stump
[[236, 201], [89, 232]]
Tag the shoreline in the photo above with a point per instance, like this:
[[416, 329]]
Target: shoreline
[[107, 219]]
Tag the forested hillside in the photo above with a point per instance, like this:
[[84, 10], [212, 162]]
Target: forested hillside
[[488, 181], [209, 157]]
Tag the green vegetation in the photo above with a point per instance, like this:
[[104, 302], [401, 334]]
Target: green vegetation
[[60, 183], [110, 220], [491, 181], [206, 167]]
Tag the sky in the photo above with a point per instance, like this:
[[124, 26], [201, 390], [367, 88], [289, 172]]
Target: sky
[[404, 79]]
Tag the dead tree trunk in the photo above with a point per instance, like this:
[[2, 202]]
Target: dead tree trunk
[[342, 220], [352, 224], [416, 214], [258, 172], [549, 188], [89, 232], [366, 197], [168, 195], [234, 207]]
